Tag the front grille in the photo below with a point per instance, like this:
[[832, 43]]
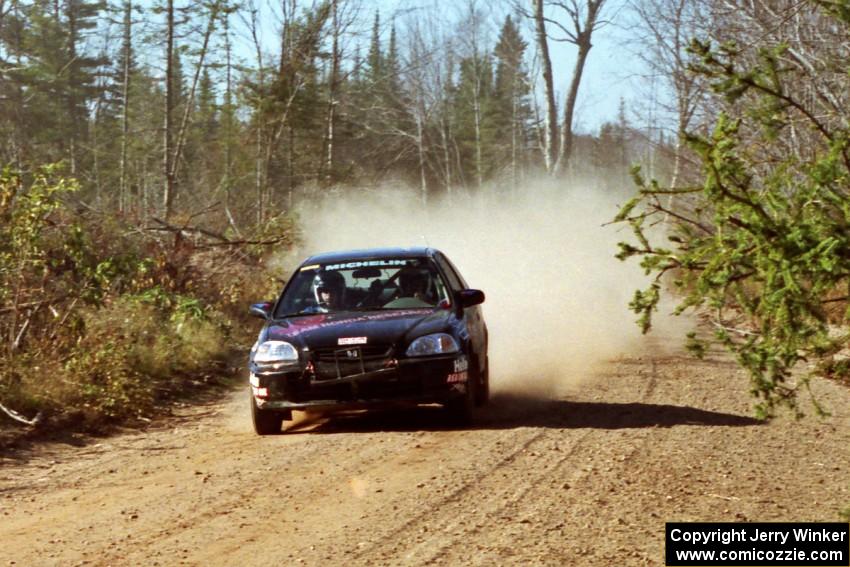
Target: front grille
[[368, 352], [339, 362]]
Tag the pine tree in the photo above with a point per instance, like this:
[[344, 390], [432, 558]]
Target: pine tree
[[509, 117], [382, 112], [374, 71], [202, 148], [396, 106], [124, 78], [13, 146], [391, 69], [473, 95], [79, 73], [59, 77], [206, 110]]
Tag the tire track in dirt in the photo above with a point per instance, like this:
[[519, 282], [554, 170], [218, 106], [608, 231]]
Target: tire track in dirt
[[353, 505], [149, 500], [542, 464]]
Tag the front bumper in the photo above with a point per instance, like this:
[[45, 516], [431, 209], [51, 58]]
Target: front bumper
[[403, 381]]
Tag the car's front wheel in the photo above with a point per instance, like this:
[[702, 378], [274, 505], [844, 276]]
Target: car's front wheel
[[265, 422], [482, 395], [461, 409]]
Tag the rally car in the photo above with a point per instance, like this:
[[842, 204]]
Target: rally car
[[367, 328]]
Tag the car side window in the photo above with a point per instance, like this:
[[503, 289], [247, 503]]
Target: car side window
[[455, 281]]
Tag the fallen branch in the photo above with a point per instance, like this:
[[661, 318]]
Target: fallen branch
[[64, 318], [222, 240], [36, 304], [167, 227], [17, 343], [18, 417]]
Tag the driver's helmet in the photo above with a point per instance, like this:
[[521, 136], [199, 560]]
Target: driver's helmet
[[332, 282], [413, 281]]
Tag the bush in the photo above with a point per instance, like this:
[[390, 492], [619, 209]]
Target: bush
[[136, 349], [101, 320]]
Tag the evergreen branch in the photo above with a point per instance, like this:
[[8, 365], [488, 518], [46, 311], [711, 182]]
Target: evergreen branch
[[662, 209]]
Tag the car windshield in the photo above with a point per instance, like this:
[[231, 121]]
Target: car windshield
[[364, 285]]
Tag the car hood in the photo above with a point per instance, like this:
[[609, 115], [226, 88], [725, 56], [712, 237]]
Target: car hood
[[371, 327]]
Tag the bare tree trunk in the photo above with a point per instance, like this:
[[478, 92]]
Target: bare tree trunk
[[514, 129], [566, 146], [476, 107], [420, 143], [665, 29], [143, 190], [550, 135], [228, 126], [677, 160], [287, 55], [184, 122], [258, 174], [125, 105], [96, 154], [259, 166], [290, 159], [332, 86], [72, 84], [444, 133], [445, 124], [168, 143]]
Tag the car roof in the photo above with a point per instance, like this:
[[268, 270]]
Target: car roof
[[369, 254]]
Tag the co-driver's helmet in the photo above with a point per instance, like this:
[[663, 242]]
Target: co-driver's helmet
[[330, 281]]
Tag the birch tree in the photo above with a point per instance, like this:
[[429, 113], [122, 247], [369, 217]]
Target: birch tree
[[574, 22], [662, 32]]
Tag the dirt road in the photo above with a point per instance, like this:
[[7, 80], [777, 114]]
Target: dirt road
[[586, 478]]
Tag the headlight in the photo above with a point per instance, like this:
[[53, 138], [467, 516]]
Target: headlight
[[275, 352], [438, 343]]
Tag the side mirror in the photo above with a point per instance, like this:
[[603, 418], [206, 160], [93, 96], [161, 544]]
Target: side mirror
[[262, 310], [469, 297]]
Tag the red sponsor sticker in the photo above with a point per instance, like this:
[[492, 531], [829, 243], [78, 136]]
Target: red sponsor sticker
[[456, 378]]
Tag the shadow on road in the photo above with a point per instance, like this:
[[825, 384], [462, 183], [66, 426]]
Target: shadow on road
[[512, 412]]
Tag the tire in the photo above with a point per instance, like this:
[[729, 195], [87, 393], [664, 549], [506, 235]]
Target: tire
[[461, 409], [482, 395], [265, 422]]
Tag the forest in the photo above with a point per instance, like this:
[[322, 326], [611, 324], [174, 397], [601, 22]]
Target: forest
[[163, 109], [153, 153]]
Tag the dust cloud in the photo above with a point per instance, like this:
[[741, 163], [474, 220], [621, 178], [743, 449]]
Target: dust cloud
[[556, 296]]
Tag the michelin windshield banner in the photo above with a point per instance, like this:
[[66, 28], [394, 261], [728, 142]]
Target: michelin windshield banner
[[757, 544]]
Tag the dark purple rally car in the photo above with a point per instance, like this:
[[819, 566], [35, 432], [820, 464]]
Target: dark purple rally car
[[363, 328]]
